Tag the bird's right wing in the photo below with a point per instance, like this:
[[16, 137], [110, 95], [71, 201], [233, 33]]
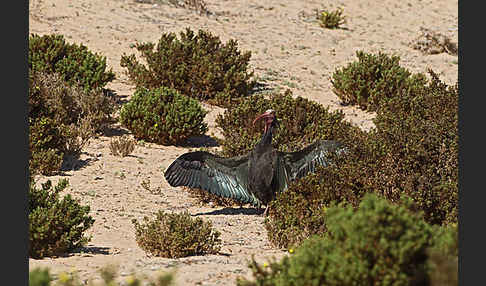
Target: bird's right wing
[[224, 177], [300, 163]]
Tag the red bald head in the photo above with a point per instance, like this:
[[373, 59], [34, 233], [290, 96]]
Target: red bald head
[[269, 116]]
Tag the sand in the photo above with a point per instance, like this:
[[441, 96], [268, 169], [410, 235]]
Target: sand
[[289, 50]]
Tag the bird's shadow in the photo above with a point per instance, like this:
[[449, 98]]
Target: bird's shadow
[[200, 141], [93, 250], [261, 87], [118, 99], [114, 131], [233, 211], [73, 162]]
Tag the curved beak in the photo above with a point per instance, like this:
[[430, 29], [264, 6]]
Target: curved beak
[[263, 115], [268, 114]]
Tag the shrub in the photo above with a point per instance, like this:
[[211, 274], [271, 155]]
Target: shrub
[[378, 244], [198, 66], [62, 119], [50, 96], [154, 191], [42, 277], [443, 257], [55, 225], [331, 20], [301, 122], [122, 146], [372, 80], [176, 235], [412, 151], [197, 5], [421, 137], [298, 213], [46, 145], [430, 42], [75, 63], [163, 116]]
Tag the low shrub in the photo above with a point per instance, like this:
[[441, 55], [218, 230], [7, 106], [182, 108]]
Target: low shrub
[[197, 5], [301, 122], [62, 119], [176, 235], [430, 42], [163, 116], [379, 243], [75, 63], [412, 151], [42, 277], [331, 20], [56, 225], [373, 79], [47, 145], [298, 213], [122, 146], [443, 257], [154, 191], [420, 132], [196, 65]]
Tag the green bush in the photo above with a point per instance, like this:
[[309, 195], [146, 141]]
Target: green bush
[[163, 116], [46, 145], [372, 80], [199, 66], [75, 63], [443, 257], [298, 213], [301, 122], [55, 225], [122, 146], [41, 277], [331, 20], [380, 243], [176, 235], [412, 151], [62, 119], [50, 96], [420, 132]]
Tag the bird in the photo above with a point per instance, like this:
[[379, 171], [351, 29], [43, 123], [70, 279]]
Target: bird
[[256, 177]]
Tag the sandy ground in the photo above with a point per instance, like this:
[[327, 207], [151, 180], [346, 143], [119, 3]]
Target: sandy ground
[[289, 50]]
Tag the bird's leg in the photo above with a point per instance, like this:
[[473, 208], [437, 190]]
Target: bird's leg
[[265, 213]]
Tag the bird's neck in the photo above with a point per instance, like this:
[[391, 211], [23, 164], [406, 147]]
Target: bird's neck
[[267, 136]]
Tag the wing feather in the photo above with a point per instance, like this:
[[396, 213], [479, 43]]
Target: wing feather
[[225, 177], [300, 163]]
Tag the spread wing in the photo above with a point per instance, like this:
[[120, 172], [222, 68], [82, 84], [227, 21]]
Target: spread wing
[[225, 177], [300, 163]]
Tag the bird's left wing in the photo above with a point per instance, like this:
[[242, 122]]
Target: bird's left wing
[[225, 177], [299, 163]]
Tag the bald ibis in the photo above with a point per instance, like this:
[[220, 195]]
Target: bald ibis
[[255, 177]]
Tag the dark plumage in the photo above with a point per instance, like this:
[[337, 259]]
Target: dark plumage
[[253, 178]]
